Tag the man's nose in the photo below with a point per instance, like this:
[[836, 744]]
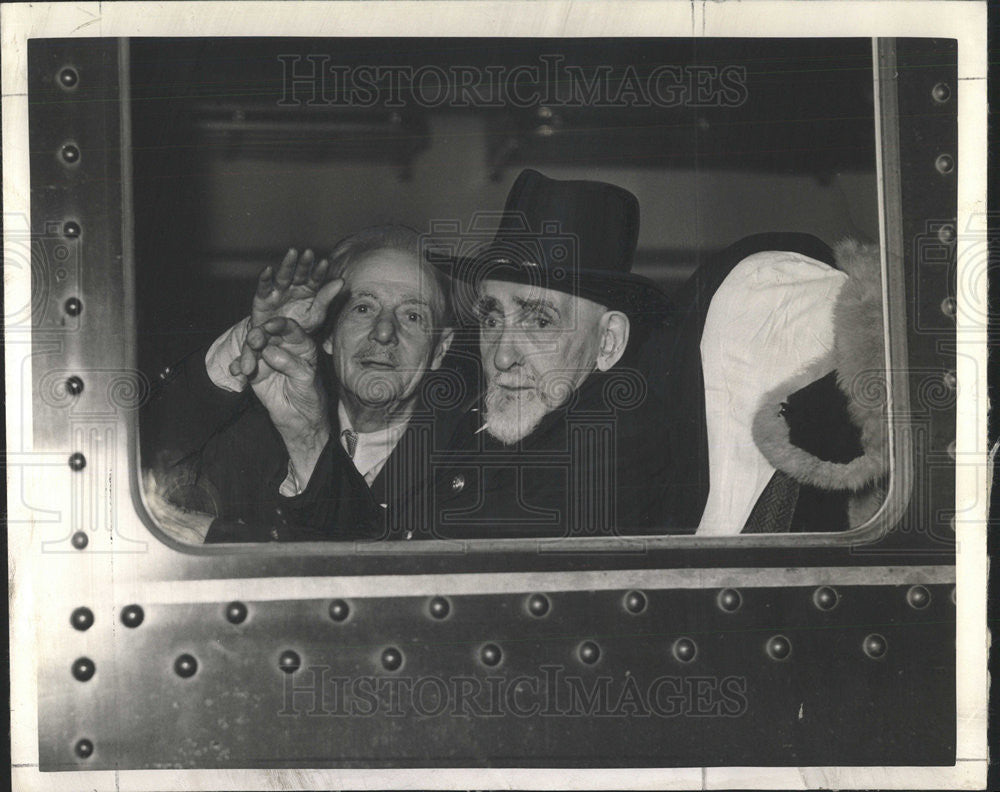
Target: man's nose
[[506, 353], [384, 329]]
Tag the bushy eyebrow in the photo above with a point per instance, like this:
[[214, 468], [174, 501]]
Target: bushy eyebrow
[[404, 300], [486, 304], [535, 304]]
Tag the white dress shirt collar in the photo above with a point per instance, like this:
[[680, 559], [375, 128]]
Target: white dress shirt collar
[[373, 448]]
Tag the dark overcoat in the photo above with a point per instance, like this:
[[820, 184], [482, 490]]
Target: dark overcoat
[[596, 466]]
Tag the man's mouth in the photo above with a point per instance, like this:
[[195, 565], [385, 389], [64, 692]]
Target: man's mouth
[[380, 365]]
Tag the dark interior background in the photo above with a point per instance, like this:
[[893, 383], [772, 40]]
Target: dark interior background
[[227, 178]]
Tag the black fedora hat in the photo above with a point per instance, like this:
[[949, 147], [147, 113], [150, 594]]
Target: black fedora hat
[[577, 237]]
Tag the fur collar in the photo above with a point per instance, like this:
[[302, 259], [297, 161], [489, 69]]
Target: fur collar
[[859, 358]]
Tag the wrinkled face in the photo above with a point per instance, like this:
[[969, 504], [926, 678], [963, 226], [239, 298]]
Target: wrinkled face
[[387, 333], [537, 346]]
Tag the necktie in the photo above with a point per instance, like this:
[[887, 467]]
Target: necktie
[[350, 441]]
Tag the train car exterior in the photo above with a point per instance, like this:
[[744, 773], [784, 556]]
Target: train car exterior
[[666, 651]]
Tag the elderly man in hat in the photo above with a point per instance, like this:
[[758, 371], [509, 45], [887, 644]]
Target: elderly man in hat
[[564, 440], [561, 441]]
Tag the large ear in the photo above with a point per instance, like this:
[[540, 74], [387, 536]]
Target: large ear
[[614, 338], [443, 344]]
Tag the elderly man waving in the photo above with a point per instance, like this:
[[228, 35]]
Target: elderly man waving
[[563, 440], [325, 380]]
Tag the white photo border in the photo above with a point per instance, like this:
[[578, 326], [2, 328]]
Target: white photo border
[[964, 21]]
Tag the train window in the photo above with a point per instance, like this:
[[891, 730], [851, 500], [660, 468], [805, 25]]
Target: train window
[[508, 289]]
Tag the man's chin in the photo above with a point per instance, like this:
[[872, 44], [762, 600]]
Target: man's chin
[[376, 389], [512, 425]]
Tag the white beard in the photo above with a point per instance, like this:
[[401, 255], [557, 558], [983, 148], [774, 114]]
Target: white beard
[[512, 416]]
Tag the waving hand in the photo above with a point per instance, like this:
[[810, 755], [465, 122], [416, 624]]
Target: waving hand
[[295, 290]]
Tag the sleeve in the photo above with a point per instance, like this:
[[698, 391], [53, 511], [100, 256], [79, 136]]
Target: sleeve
[[184, 410], [214, 451], [223, 351], [334, 506], [183, 423]]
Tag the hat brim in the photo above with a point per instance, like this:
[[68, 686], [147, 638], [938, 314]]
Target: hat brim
[[636, 296]]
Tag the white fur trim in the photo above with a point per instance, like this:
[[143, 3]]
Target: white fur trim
[[859, 359]]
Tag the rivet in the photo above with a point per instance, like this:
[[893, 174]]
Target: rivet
[[950, 380], [68, 78], [941, 93], [83, 748], [74, 385], [825, 598], [185, 666], [684, 650], [918, 597], [729, 600], [946, 234], [80, 540], [538, 605], [73, 306], [589, 652], [70, 154], [236, 612], [82, 619], [392, 658], [71, 229], [635, 602], [339, 610], [439, 607], [949, 307], [289, 662], [490, 654], [83, 669], [778, 647], [951, 449], [945, 163], [875, 646], [77, 461], [132, 616]]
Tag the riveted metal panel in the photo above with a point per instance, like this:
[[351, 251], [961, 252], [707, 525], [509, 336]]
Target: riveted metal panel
[[639, 703]]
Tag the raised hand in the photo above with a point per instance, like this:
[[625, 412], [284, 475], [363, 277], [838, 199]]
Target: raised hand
[[279, 360], [295, 290]]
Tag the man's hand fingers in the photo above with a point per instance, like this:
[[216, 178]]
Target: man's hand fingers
[[265, 282], [301, 273], [284, 330], [283, 276], [248, 361], [318, 274], [257, 337], [289, 364], [326, 295]]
